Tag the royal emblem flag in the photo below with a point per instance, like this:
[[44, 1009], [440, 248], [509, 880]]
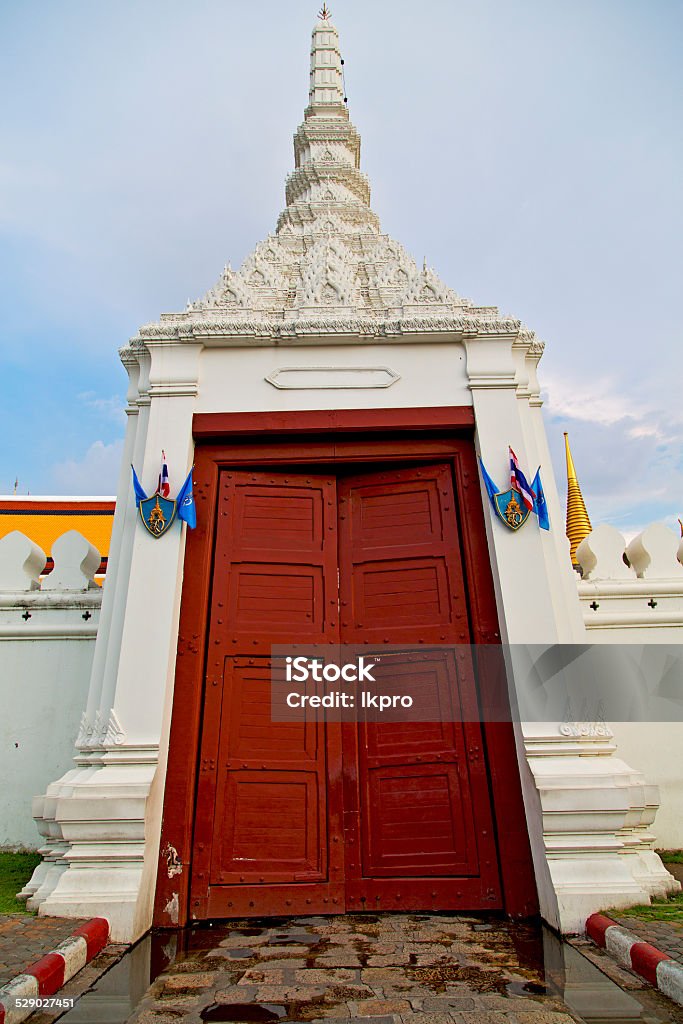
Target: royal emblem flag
[[137, 488], [511, 509], [518, 482], [187, 510], [540, 507], [159, 511], [164, 487], [491, 488], [508, 505], [157, 514]]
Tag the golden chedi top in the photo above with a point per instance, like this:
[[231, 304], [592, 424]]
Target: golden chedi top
[[578, 520]]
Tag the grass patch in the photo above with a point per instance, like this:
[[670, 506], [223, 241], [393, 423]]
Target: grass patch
[[671, 856], [659, 910], [15, 871]]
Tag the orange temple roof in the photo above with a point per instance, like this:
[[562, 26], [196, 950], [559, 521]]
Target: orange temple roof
[[44, 519]]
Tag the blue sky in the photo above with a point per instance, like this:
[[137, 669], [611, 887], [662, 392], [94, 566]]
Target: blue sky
[[531, 151]]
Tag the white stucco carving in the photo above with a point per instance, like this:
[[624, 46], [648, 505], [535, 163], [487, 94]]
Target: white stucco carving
[[654, 553], [601, 555], [75, 563], [328, 267], [21, 563], [304, 378], [114, 735]]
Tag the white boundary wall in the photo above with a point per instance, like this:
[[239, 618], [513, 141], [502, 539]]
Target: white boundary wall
[[47, 642], [640, 602], [655, 748]]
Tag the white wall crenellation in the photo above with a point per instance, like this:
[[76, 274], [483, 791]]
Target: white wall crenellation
[[632, 587]]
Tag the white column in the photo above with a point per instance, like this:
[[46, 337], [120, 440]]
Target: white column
[[576, 793], [112, 818], [116, 577], [88, 741], [526, 579]]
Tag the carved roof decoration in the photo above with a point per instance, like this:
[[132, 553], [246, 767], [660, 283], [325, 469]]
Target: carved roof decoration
[[328, 268]]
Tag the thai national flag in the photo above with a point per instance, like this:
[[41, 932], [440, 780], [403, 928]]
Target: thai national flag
[[518, 482], [164, 487]]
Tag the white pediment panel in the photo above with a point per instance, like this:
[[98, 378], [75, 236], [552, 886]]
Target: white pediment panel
[[307, 378]]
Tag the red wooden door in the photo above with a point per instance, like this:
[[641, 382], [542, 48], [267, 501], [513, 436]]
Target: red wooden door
[[282, 825], [417, 804], [268, 821]]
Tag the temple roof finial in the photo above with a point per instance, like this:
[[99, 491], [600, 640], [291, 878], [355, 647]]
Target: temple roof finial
[[578, 520], [327, 78]]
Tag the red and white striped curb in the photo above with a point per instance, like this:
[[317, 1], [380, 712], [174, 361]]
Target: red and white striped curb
[[650, 963], [46, 976]]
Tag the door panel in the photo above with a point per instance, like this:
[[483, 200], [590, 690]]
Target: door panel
[[275, 569], [419, 826], [402, 578], [269, 794], [273, 772], [423, 806]]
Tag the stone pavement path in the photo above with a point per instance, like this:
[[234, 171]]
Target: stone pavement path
[[25, 938], [667, 936], [386, 969]]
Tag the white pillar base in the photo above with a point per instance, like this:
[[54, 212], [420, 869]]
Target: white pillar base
[[593, 807], [108, 821]]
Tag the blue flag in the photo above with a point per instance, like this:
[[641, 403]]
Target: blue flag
[[540, 507], [491, 488], [187, 510], [137, 487]]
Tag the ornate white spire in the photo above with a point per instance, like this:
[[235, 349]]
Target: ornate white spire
[[327, 80], [328, 267], [327, 179]]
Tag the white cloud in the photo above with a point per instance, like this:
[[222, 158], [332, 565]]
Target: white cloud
[[607, 402], [626, 450], [109, 408], [95, 473], [596, 402]]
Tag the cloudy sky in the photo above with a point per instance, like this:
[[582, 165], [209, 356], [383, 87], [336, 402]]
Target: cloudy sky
[[530, 150]]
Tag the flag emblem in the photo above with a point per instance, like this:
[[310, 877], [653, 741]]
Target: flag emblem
[[157, 514], [511, 508], [164, 486], [514, 506], [159, 511]]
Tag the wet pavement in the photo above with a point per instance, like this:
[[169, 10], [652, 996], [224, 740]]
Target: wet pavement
[[385, 969]]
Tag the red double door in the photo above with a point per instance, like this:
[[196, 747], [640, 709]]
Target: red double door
[[314, 816]]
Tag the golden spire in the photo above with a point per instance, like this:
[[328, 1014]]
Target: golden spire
[[324, 14], [578, 521]]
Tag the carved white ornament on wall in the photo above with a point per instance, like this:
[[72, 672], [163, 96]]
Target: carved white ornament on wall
[[302, 378]]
